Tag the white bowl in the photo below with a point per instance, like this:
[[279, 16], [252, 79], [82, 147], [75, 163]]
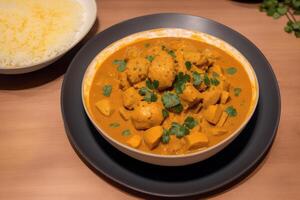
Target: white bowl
[[90, 14], [168, 160]]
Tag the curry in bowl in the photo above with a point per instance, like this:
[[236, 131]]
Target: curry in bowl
[[170, 95]]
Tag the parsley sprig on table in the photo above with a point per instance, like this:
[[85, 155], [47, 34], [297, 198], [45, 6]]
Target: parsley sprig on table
[[289, 8]]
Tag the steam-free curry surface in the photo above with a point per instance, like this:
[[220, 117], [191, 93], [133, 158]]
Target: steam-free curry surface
[[170, 95]]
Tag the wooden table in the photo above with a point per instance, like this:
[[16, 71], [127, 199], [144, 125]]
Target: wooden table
[[37, 161]]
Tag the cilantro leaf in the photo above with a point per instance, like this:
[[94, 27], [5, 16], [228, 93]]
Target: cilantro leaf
[[121, 65], [214, 81], [190, 122], [177, 109], [126, 132], [152, 85], [165, 137], [196, 79], [231, 111], [165, 113], [114, 125], [206, 80], [149, 96], [231, 70], [106, 90], [178, 130], [170, 99], [237, 91], [180, 81], [188, 65], [172, 53], [150, 58]]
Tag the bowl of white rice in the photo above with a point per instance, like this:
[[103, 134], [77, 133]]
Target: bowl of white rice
[[34, 33]]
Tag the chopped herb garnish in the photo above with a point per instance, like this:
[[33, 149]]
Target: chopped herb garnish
[[180, 81], [165, 113], [231, 111], [150, 58], [206, 80], [188, 65], [121, 65], [148, 94], [196, 79], [152, 85], [170, 99], [190, 122], [126, 132], [237, 91], [214, 81], [114, 125], [172, 53], [231, 70], [165, 137], [177, 109], [106, 90], [178, 130]]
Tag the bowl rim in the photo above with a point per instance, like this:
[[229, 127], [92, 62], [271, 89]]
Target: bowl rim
[[227, 140], [81, 34]]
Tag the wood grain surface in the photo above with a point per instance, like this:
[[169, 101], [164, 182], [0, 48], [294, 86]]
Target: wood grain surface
[[37, 161]]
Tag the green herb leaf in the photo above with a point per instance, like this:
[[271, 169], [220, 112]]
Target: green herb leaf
[[172, 53], [231, 70], [237, 91], [165, 137], [214, 81], [155, 84], [178, 130], [114, 125], [148, 94], [282, 9], [196, 79], [121, 65], [231, 111], [188, 65], [170, 99], [165, 113], [180, 80], [206, 80], [152, 85], [190, 122], [150, 58], [177, 109], [126, 132], [106, 90]]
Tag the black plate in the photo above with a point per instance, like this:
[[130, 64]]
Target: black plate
[[209, 176]]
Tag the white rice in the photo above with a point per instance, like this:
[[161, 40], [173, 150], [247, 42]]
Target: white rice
[[32, 31]]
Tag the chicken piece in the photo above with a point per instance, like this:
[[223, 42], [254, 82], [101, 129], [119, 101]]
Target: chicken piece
[[124, 114], [137, 70], [104, 107], [154, 50], [134, 141], [190, 94], [130, 98], [152, 136], [196, 140], [123, 82], [223, 119], [132, 52], [218, 131], [213, 113], [147, 115], [195, 57], [224, 97], [211, 97], [180, 63], [162, 69]]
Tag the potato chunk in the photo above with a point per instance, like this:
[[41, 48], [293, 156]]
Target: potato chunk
[[134, 141], [196, 140], [224, 97], [147, 115], [137, 70], [130, 98], [162, 69], [104, 107], [190, 94], [211, 97], [152, 136], [223, 119], [213, 113]]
